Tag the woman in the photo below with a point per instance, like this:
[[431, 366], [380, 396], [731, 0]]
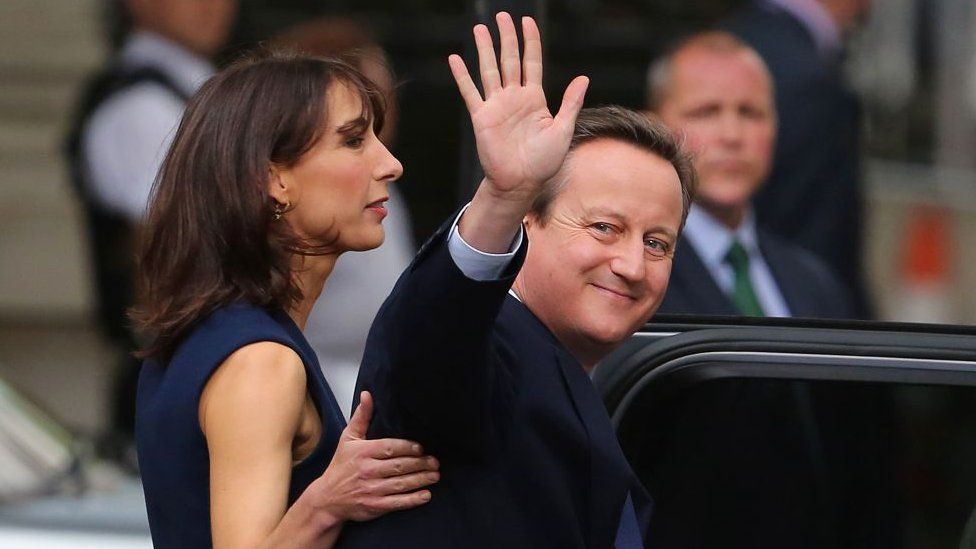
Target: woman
[[275, 171]]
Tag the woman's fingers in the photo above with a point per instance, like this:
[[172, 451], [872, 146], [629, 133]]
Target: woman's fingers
[[359, 422], [405, 483], [387, 468], [469, 92], [386, 448], [490, 78], [532, 58], [509, 55], [400, 502]]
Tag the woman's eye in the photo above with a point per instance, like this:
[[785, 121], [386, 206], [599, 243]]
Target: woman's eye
[[355, 142]]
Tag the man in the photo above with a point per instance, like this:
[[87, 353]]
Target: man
[[813, 197], [749, 463], [494, 382], [126, 118], [716, 91]]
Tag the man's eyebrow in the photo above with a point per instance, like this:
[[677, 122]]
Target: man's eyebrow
[[597, 211]]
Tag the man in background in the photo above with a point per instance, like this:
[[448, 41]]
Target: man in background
[[813, 196], [125, 120], [741, 462], [716, 91]]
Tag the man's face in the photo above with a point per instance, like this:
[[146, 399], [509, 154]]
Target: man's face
[[723, 103], [198, 25], [598, 267]]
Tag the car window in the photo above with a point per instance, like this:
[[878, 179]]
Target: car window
[[757, 462]]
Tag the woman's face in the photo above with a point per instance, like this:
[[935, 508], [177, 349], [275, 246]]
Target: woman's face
[[338, 189]]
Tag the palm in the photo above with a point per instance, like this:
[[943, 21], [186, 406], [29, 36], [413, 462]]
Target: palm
[[517, 138], [520, 143]]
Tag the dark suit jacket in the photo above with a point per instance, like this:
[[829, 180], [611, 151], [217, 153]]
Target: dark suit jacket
[[528, 455], [767, 463], [809, 287], [813, 195]]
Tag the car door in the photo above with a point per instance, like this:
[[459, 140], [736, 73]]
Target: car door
[[786, 433]]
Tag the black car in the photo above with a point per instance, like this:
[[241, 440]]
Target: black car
[[793, 433]]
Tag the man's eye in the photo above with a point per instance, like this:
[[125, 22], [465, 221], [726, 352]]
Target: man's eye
[[656, 247], [605, 228]]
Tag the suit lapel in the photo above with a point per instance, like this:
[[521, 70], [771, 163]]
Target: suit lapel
[[793, 284], [610, 474], [692, 279]]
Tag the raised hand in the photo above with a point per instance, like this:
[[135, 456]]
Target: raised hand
[[369, 478], [520, 143]]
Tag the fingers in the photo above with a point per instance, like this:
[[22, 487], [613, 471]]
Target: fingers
[[405, 465], [572, 103], [359, 422], [490, 78], [387, 448], [509, 56], [532, 58], [469, 92], [406, 483], [400, 502]]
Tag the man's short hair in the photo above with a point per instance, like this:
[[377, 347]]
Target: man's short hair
[[659, 73], [621, 124]]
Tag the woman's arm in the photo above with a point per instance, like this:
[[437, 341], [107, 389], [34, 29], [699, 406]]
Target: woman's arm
[[250, 413]]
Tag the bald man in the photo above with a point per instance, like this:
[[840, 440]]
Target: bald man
[[716, 91]]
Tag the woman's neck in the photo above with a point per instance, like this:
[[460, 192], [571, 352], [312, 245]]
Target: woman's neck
[[310, 273]]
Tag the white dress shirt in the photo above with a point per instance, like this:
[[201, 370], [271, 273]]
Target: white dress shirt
[[711, 240], [126, 138]]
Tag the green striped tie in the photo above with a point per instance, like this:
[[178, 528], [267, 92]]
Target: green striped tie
[[743, 294]]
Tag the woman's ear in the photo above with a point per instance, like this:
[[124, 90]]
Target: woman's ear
[[279, 186]]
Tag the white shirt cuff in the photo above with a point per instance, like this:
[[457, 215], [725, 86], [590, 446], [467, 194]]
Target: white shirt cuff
[[475, 264]]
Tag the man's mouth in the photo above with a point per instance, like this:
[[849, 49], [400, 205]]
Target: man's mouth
[[618, 294]]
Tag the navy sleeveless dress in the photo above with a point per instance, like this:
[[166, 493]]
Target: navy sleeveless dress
[[173, 458]]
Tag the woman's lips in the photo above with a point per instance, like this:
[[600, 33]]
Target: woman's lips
[[379, 207]]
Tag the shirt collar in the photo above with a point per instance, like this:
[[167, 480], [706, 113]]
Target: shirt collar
[[711, 239], [188, 70], [816, 19]]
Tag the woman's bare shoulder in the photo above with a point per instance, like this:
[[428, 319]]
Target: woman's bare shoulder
[[264, 379]]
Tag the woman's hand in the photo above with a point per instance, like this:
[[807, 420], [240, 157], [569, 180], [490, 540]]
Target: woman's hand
[[520, 144], [369, 478]]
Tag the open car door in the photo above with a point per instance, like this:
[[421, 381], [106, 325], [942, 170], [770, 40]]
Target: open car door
[[789, 433]]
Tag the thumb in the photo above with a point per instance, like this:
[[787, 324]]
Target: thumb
[[359, 422], [572, 103]]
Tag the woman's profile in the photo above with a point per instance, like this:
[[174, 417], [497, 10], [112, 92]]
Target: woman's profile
[[274, 172]]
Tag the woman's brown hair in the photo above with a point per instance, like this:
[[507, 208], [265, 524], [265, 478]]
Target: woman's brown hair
[[211, 237]]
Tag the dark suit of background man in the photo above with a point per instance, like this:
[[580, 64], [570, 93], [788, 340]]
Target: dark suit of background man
[[753, 463], [813, 197], [493, 380]]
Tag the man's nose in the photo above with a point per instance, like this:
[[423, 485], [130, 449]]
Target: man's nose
[[730, 129], [629, 260]]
